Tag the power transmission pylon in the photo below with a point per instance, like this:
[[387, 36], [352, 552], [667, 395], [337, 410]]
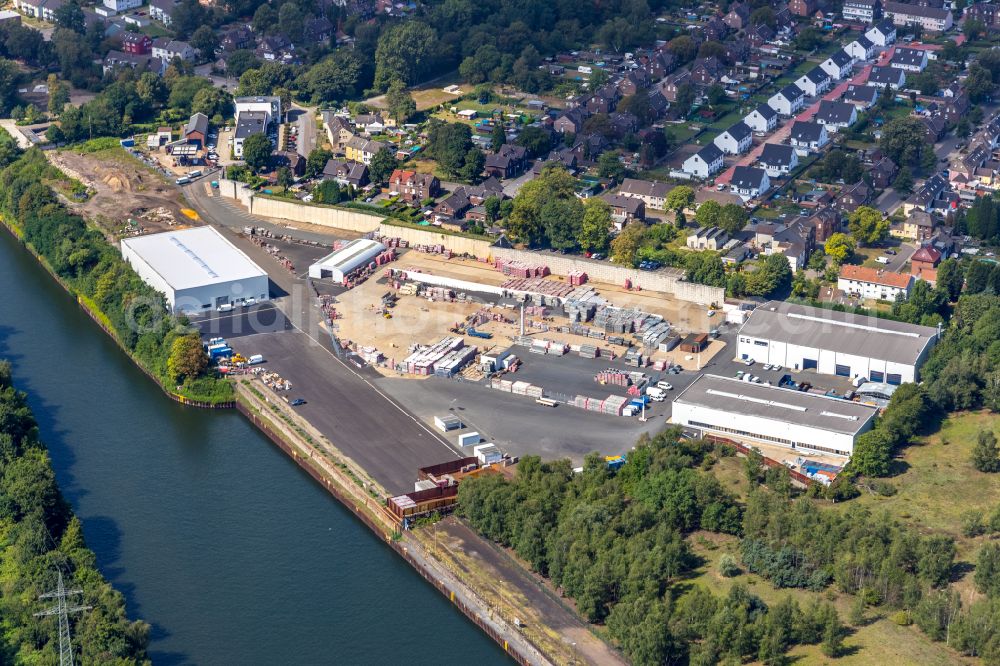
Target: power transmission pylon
[[62, 609]]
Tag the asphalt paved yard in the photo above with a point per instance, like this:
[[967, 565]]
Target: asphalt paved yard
[[263, 318], [379, 435]]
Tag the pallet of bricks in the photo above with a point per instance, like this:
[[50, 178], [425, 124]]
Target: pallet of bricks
[[422, 361], [613, 377], [614, 404], [453, 361], [589, 351], [577, 278], [520, 269], [537, 285]]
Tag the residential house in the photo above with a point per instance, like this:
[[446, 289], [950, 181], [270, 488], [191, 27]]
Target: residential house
[[163, 11], [708, 238], [289, 159], [270, 106], [862, 97], [370, 123], [738, 16], [923, 198], [838, 65], [910, 60], [737, 51], [763, 119], [338, 130], [564, 157], [796, 241], [988, 13], [836, 115], [862, 11], [931, 19], [196, 130], [413, 187], [570, 121], [778, 160], [625, 209], [853, 196], [633, 81], [825, 222], [926, 257], [652, 193], [761, 34], [814, 82], [807, 137], [861, 48], [235, 39], [955, 107], [705, 163], [882, 172], [136, 43], [714, 30], [346, 172], [919, 226], [934, 127], [508, 162], [803, 8], [735, 140], [623, 123], [274, 47], [882, 34], [362, 150], [887, 77], [168, 49], [787, 101], [32, 8], [669, 86], [317, 30], [749, 182], [706, 71], [873, 283], [248, 123], [119, 60], [119, 6], [454, 205]]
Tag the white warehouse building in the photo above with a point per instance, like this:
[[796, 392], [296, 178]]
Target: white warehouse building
[[196, 269], [802, 421], [339, 263], [800, 337]]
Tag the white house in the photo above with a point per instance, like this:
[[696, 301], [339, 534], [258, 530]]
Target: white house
[[162, 11], [887, 77], [749, 182], [787, 101], [168, 49], [778, 159], [122, 5], [873, 283], [248, 123], [882, 34], [862, 97], [836, 115], [705, 163], [863, 11], [814, 82], [800, 421], [269, 106], [735, 140], [910, 60], [652, 193], [707, 238], [838, 65], [763, 119], [807, 137], [931, 19], [861, 48]]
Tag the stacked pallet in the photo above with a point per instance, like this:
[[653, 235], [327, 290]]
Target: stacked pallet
[[655, 334], [422, 361], [613, 377], [520, 388], [538, 285], [577, 278], [520, 269], [614, 404], [589, 351], [635, 358], [453, 362]]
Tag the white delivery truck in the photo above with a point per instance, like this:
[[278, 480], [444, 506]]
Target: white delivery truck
[[255, 359], [656, 394]]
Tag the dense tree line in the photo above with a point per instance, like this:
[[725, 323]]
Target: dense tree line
[[134, 312], [41, 535]]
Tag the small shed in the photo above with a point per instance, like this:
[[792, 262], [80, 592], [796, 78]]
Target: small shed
[[694, 343]]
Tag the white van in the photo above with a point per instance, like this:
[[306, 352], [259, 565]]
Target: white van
[[882, 260], [183, 180], [255, 359], [226, 307], [656, 394], [194, 174]]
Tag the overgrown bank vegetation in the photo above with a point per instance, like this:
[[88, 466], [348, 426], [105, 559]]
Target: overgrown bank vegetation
[[94, 271], [39, 535]]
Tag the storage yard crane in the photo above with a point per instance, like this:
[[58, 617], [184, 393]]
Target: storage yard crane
[[62, 609]]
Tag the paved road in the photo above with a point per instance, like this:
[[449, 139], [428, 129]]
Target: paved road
[[889, 201], [306, 122], [264, 318]]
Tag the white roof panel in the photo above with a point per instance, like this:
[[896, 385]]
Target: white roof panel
[[194, 257]]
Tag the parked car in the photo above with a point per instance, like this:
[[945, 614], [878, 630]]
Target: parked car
[[748, 361], [666, 386], [297, 402], [890, 251]]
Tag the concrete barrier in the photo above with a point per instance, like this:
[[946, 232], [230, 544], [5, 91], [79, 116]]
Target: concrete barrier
[[477, 247], [295, 211]]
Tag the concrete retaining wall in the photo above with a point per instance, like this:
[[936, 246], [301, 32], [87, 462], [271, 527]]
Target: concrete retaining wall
[[457, 244], [338, 218]]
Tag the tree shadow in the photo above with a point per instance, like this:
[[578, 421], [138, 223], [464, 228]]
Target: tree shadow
[[960, 570], [897, 467]]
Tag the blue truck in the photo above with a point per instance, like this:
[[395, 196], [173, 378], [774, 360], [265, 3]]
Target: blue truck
[[478, 334]]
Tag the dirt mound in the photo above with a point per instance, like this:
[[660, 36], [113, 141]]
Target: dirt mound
[[117, 181]]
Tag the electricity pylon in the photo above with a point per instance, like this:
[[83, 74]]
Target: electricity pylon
[[62, 609]]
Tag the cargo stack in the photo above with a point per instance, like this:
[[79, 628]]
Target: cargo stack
[[588, 351], [614, 404], [453, 362], [577, 278], [421, 362], [635, 358], [613, 377]]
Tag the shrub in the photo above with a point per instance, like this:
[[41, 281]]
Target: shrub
[[728, 567]]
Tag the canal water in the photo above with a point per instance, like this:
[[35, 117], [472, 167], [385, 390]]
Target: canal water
[[220, 542]]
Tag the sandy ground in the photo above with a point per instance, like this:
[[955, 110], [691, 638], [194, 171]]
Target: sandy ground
[[122, 188]]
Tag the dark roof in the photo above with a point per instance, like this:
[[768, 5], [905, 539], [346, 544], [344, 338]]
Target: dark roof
[[739, 131], [835, 112], [841, 58], [250, 123], [885, 26], [197, 123], [776, 154], [791, 92], [709, 153], [916, 10], [860, 93], [905, 56], [747, 177], [766, 111], [865, 43], [806, 131], [885, 74], [817, 75]]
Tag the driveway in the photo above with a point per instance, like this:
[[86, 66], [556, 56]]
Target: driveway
[[889, 201], [306, 122]]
